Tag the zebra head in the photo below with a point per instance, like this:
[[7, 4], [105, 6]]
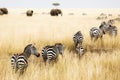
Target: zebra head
[[31, 49], [60, 48]]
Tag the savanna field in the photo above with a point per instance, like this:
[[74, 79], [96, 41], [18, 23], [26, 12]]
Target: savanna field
[[100, 62]]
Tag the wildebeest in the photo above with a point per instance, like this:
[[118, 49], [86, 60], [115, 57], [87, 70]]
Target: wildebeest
[[55, 12], [4, 10], [29, 12]]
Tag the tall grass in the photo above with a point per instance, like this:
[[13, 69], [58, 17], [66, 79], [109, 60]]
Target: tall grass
[[102, 63]]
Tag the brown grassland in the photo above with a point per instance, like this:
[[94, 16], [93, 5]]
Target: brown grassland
[[17, 31]]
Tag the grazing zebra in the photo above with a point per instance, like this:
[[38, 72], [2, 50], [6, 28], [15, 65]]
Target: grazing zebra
[[20, 61], [50, 53], [112, 31], [80, 50], [108, 28], [103, 27], [78, 38], [95, 33]]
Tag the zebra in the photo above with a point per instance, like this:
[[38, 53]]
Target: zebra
[[103, 27], [80, 50], [112, 31], [78, 38], [95, 33], [111, 22], [50, 53], [108, 28], [20, 61]]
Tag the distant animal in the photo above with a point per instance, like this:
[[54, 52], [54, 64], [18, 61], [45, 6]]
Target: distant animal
[[29, 12], [55, 12], [108, 28], [1, 13], [19, 62], [51, 53], [78, 39], [117, 19], [70, 13], [80, 50], [111, 21], [102, 16], [95, 33], [104, 27], [4, 10], [112, 31], [84, 14], [109, 14]]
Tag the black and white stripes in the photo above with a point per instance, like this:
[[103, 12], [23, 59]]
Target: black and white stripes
[[95, 33], [50, 53], [78, 38], [20, 61], [108, 28]]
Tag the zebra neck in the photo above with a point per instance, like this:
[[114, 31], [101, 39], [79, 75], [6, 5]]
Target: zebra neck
[[27, 55]]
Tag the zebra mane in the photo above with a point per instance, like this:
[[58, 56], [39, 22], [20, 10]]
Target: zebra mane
[[27, 47], [58, 44]]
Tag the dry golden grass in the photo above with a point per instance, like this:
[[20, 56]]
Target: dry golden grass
[[17, 30]]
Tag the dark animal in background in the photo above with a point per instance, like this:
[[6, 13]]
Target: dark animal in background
[[1, 13], [4, 10], [29, 13], [55, 12]]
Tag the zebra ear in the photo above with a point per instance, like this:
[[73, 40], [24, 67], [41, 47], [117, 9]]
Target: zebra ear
[[32, 44]]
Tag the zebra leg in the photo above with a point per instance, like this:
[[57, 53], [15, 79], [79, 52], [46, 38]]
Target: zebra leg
[[95, 39], [16, 70], [91, 38], [21, 72], [48, 61], [75, 45], [45, 63], [102, 43]]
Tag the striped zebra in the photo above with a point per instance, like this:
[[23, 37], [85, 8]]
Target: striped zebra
[[80, 50], [104, 27], [95, 33], [50, 53], [112, 31], [111, 21], [20, 61], [108, 28], [78, 38]]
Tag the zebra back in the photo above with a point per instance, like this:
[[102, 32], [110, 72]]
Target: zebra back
[[95, 33], [51, 52], [13, 60], [22, 62]]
